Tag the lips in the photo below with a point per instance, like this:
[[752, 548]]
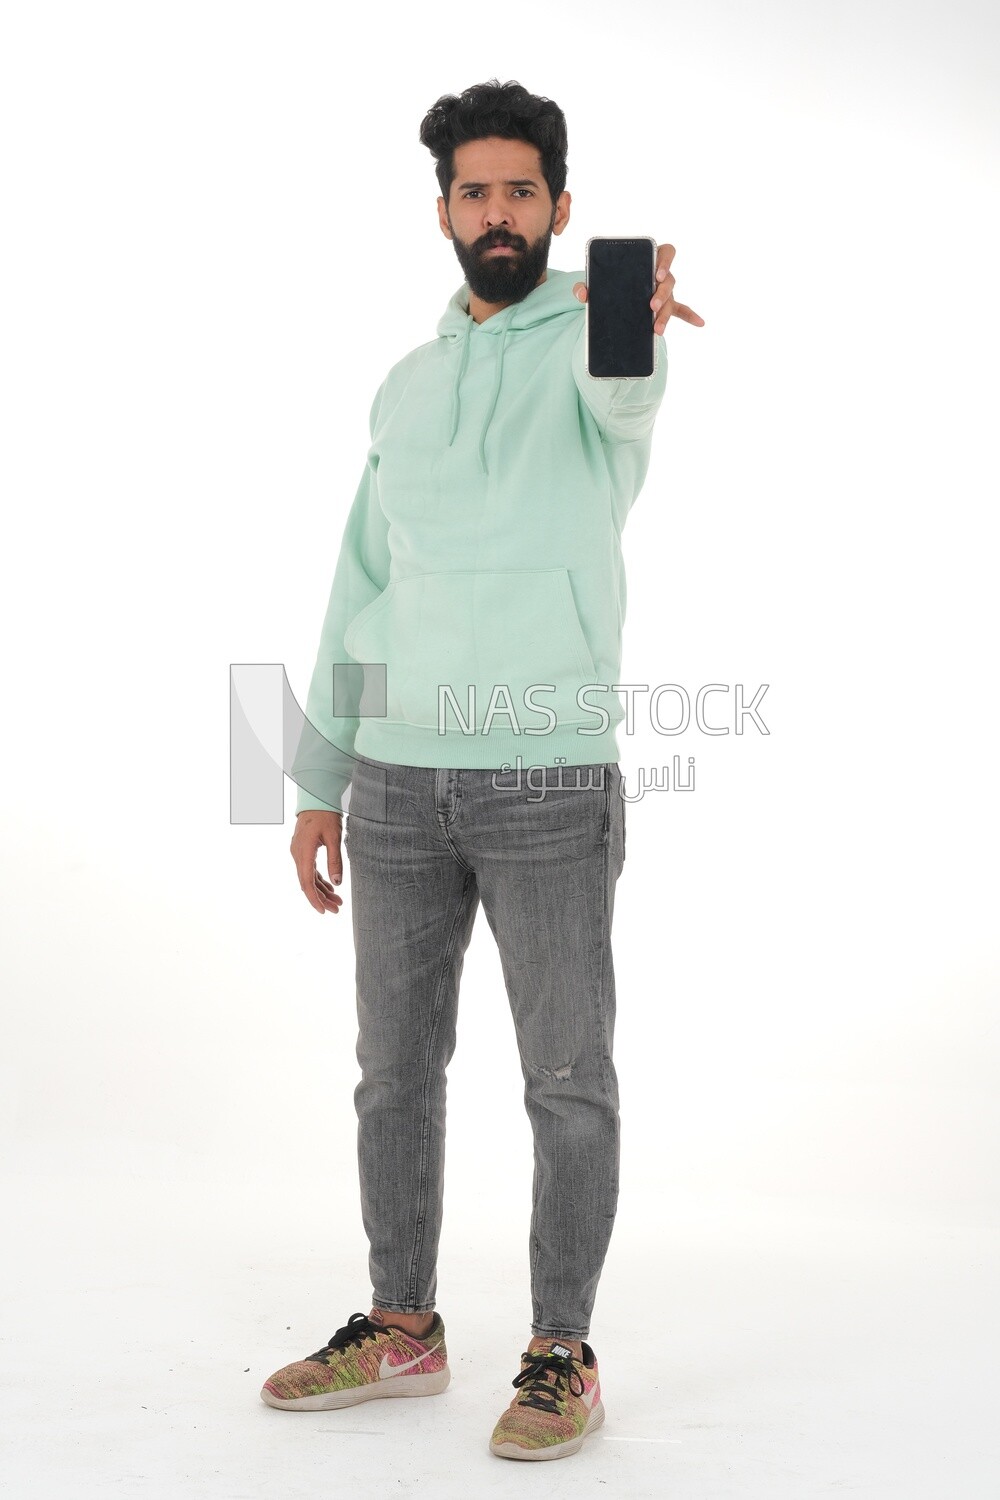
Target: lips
[[500, 250]]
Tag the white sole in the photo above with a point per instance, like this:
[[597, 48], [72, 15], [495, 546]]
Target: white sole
[[394, 1385], [554, 1450]]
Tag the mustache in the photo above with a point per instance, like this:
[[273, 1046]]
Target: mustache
[[493, 244]]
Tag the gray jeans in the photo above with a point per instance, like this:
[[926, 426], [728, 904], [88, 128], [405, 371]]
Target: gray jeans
[[424, 846]]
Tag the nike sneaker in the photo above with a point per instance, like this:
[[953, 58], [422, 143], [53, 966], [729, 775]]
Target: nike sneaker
[[558, 1403], [362, 1362]]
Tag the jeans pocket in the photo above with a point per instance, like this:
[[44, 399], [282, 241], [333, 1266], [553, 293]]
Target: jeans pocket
[[369, 790]]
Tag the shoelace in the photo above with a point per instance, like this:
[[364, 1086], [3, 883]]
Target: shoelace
[[542, 1393], [357, 1328]]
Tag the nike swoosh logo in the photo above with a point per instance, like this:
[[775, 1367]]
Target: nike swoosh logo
[[385, 1369], [588, 1399]]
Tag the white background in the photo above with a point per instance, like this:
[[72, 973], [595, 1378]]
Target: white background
[[220, 232]]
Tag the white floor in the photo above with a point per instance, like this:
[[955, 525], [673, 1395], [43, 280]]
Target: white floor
[[749, 1348]]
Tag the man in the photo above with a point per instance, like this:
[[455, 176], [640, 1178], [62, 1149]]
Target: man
[[478, 592]]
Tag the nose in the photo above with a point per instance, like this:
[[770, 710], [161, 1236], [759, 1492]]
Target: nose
[[496, 212]]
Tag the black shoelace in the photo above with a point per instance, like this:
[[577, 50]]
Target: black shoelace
[[541, 1392], [357, 1328]]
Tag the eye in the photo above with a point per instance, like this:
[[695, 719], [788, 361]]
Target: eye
[[475, 192]]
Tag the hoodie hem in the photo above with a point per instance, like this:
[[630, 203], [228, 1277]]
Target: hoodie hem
[[414, 745]]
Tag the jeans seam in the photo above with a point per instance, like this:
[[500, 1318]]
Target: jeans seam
[[606, 1058], [607, 801], [536, 1249], [605, 930], [418, 1233], [621, 799]]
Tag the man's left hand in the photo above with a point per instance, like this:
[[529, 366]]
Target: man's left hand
[[662, 301]]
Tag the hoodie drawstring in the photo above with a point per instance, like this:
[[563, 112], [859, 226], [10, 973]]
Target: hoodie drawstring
[[551, 299], [493, 401], [456, 402]]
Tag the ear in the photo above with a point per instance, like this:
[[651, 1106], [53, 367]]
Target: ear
[[442, 209], [562, 212]]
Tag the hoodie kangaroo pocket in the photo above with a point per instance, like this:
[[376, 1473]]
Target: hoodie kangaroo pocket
[[457, 638]]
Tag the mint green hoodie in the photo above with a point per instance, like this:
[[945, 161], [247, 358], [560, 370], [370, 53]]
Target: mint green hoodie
[[482, 554]]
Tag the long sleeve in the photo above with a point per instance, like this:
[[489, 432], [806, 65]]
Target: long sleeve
[[624, 410], [324, 761]]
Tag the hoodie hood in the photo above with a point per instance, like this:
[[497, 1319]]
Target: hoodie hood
[[552, 299]]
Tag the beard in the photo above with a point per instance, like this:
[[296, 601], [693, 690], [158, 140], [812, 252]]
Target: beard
[[503, 278]]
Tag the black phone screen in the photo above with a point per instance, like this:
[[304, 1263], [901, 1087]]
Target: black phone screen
[[620, 340]]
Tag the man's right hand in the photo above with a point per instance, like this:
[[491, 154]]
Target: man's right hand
[[313, 829]]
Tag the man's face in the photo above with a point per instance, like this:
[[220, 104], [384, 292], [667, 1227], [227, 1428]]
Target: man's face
[[499, 198]]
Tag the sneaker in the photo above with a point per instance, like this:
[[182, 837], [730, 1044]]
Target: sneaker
[[362, 1362], [558, 1404]]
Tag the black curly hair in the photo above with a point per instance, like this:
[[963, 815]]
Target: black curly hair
[[494, 108]]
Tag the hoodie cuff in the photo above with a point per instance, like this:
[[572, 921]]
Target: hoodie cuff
[[311, 783], [625, 409]]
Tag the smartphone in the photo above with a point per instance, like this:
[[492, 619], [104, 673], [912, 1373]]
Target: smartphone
[[620, 343]]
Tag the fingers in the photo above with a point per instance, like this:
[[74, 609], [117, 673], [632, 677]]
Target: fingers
[[688, 315], [318, 892], [334, 863], [664, 256], [323, 896], [327, 896], [662, 301]]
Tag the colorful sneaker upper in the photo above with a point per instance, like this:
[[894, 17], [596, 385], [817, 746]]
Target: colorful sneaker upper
[[558, 1398], [360, 1353]]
